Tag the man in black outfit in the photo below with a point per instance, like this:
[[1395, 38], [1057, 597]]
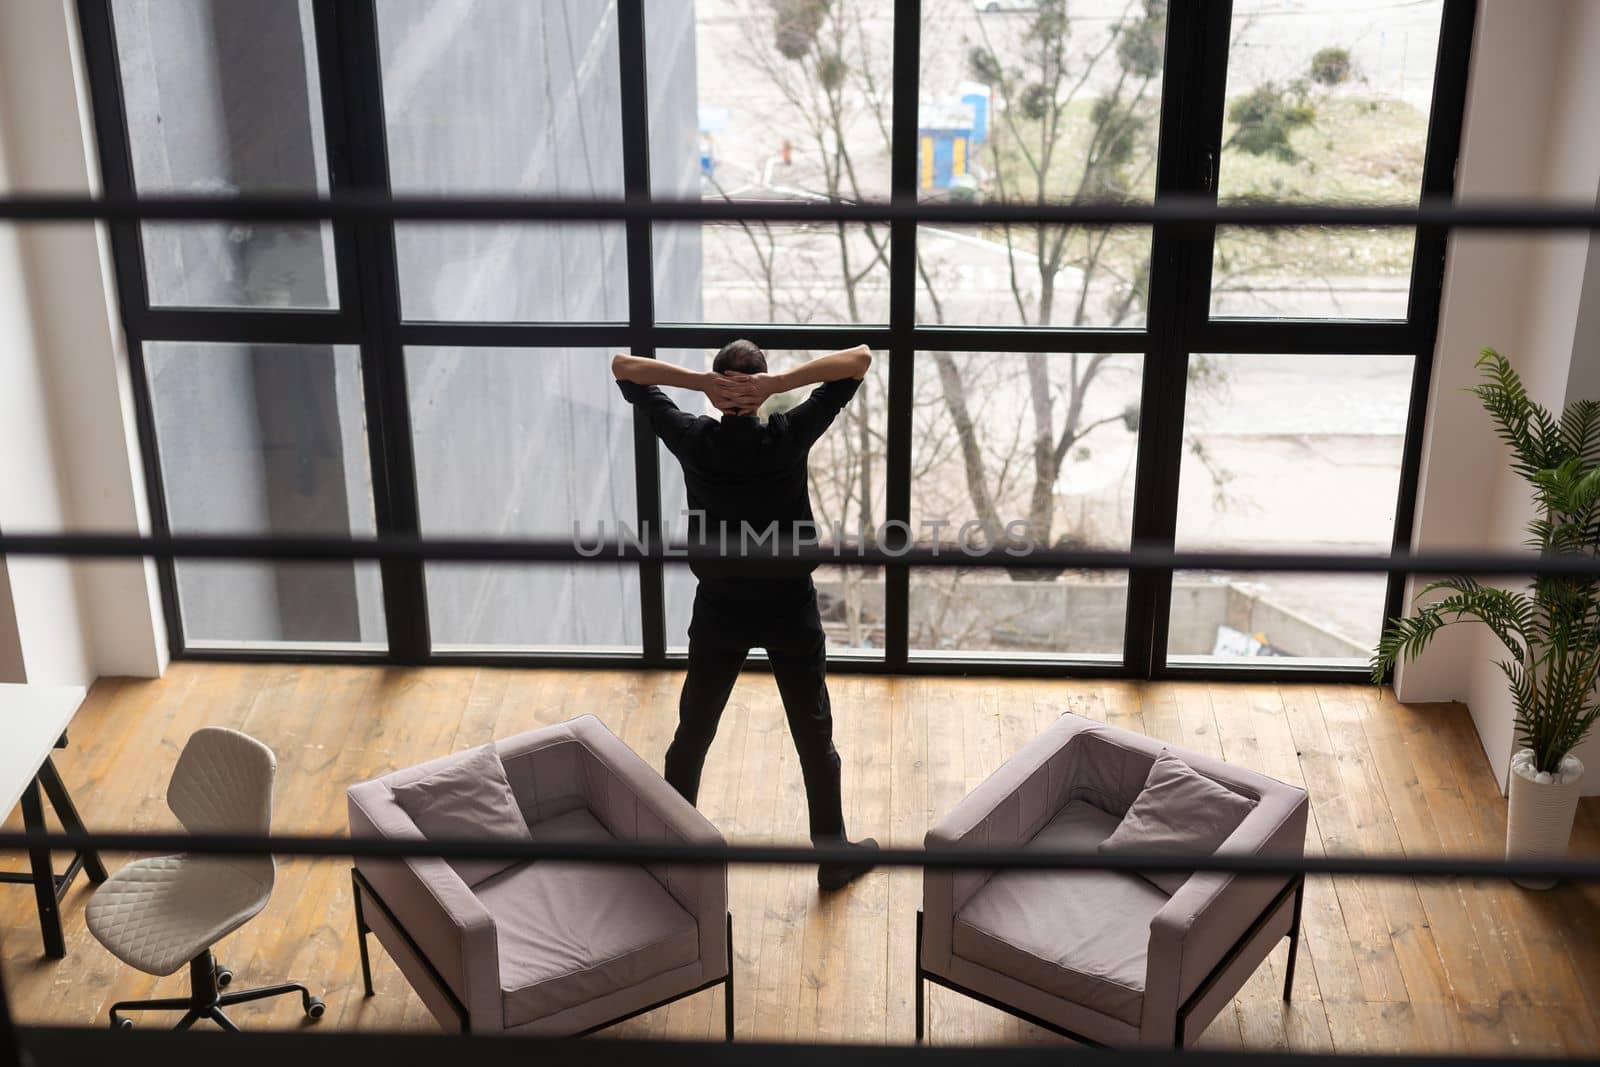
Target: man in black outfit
[[743, 476]]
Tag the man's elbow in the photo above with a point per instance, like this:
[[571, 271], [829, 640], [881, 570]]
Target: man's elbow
[[863, 362], [619, 367]]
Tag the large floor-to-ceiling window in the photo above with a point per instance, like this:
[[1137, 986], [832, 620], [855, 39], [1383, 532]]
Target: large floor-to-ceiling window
[[1241, 388]]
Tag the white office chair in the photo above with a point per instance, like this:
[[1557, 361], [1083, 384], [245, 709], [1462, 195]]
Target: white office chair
[[158, 913]]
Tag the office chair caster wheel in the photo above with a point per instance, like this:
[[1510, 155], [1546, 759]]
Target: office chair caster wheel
[[120, 1022], [224, 978], [315, 1008]]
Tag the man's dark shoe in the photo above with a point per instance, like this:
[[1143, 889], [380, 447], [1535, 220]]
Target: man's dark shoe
[[832, 876]]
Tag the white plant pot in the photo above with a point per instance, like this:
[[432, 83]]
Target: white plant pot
[[1543, 806]]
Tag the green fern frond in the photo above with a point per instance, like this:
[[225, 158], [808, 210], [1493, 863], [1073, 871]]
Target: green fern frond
[[1405, 638], [1553, 630], [1522, 424], [1580, 430]]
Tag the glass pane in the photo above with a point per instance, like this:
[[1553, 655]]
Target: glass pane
[[1287, 453], [486, 97], [790, 102], [1327, 102], [267, 439], [978, 481], [767, 272], [223, 97], [1033, 103], [847, 467], [524, 443]]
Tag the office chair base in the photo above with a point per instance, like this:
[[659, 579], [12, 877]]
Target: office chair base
[[205, 1000]]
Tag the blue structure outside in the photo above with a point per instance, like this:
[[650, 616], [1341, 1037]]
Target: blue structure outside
[[949, 134], [976, 97]]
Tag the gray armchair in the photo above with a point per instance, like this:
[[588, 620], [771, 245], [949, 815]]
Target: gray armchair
[[550, 948], [1104, 957]]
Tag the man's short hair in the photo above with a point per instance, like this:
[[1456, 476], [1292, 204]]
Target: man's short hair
[[741, 356]]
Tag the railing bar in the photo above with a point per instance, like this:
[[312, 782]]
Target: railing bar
[[942, 857], [580, 549], [353, 206]]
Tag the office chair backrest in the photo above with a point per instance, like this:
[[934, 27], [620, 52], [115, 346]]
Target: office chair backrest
[[223, 781]]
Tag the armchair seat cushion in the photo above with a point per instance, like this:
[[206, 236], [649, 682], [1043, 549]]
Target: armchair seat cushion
[[1079, 935], [569, 933]]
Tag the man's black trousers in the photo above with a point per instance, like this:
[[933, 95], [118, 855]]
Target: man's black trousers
[[721, 634]]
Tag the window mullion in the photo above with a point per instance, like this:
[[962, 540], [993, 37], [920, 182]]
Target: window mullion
[[641, 311], [347, 38], [1191, 124], [904, 147]]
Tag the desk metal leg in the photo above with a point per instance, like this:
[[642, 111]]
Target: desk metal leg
[[44, 875], [48, 886], [10, 1048], [67, 812]]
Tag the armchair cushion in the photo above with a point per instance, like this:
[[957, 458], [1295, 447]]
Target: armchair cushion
[[1078, 935], [1180, 811], [468, 797], [570, 933]]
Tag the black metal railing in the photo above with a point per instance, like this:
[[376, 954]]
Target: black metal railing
[[1175, 213]]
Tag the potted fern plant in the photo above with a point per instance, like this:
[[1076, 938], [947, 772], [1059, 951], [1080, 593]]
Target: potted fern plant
[[1551, 630]]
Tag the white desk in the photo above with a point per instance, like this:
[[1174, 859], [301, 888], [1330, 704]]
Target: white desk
[[33, 721]]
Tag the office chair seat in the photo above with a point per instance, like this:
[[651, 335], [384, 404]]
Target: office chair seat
[[157, 914]]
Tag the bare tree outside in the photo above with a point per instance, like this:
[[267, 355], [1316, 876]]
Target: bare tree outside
[[1033, 447]]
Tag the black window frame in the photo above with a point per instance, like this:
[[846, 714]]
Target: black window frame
[[1178, 324]]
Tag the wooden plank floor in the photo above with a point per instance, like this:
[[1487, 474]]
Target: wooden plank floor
[[1386, 965]]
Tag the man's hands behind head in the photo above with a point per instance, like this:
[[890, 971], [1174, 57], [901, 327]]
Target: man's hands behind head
[[752, 390], [733, 393], [721, 391]]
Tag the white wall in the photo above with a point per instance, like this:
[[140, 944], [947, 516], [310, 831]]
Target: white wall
[[68, 453], [43, 602], [1533, 104], [1583, 383], [11, 665]]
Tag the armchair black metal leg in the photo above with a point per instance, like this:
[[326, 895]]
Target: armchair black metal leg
[[71, 821], [365, 891], [727, 992], [1292, 888], [922, 992], [190, 1017], [1294, 939], [362, 930], [216, 1016], [44, 876]]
